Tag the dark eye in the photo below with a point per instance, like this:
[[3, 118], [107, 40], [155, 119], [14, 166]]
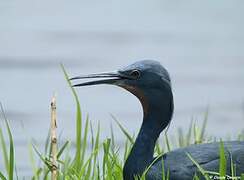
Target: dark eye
[[135, 73]]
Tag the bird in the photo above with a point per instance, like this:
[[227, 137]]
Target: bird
[[150, 82]]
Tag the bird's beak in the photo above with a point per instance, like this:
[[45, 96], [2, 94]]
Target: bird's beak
[[107, 78]]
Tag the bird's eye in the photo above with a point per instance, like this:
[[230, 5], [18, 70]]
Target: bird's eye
[[135, 73]]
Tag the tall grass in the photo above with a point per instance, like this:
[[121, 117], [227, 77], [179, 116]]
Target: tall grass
[[104, 160], [8, 157]]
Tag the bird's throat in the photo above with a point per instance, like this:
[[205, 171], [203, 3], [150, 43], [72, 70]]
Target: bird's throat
[[140, 95]]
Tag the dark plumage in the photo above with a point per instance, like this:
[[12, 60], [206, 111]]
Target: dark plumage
[[149, 81]]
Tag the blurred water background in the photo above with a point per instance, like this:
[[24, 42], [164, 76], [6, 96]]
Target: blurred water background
[[201, 43]]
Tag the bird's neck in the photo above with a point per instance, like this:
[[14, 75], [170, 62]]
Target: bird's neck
[[142, 152], [158, 108]]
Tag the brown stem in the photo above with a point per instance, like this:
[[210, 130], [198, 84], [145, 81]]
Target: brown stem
[[54, 148]]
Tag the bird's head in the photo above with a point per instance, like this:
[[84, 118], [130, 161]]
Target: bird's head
[[148, 80]]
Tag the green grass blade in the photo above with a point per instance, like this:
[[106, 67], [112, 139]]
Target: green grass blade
[[98, 173], [157, 148], [124, 130], [126, 152], [11, 148], [167, 142], [92, 135], [32, 161], [232, 167], [2, 176], [95, 150], [199, 167], [77, 159], [4, 150], [112, 137], [11, 154], [84, 141], [62, 149], [181, 138], [196, 177], [88, 173], [87, 163], [189, 134], [167, 174], [222, 161], [203, 129], [147, 169], [47, 142], [45, 161], [163, 170], [106, 162]]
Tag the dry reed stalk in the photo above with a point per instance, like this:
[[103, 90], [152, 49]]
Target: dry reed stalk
[[54, 147]]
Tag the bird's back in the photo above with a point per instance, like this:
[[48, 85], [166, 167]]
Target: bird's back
[[207, 155]]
